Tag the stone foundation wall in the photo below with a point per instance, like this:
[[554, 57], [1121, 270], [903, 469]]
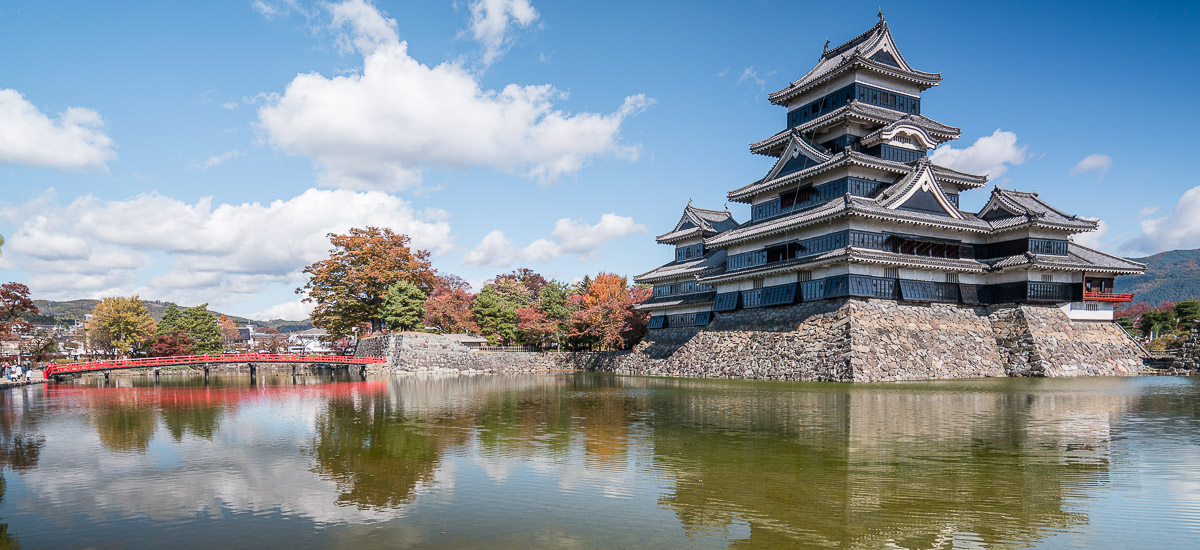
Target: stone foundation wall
[[801, 342], [846, 340], [893, 341], [1062, 347], [1189, 356], [421, 352]]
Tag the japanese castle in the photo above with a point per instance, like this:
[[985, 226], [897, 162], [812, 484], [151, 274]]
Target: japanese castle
[[854, 207]]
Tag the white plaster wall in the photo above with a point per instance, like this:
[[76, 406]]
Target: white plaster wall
[[1104, 311], [1059, 276]]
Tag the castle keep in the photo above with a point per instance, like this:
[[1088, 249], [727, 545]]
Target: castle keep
[[854, 221]]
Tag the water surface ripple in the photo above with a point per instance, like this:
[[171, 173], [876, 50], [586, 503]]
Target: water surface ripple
[[599, 461]]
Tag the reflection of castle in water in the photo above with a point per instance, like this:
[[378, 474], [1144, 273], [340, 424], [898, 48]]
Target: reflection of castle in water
[[898, 466], [907, 465]]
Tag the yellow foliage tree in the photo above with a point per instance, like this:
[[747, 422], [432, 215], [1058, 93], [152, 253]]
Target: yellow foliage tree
[[120, 325]]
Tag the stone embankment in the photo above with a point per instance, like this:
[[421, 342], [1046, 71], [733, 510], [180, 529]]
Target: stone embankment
[[421, 352], [849, 340], [1188, 361]]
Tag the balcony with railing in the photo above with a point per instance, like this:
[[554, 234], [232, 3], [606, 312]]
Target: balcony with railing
[[1107, 297]]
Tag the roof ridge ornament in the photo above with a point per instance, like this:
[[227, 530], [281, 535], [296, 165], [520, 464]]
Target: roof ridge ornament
[[881, 20]]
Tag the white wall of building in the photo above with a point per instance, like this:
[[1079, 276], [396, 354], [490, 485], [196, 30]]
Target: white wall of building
[[1089, 311]]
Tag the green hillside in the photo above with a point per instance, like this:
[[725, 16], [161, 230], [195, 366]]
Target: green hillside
[[51, 312], [1172, 276]]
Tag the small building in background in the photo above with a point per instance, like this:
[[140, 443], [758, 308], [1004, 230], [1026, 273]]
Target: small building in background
[[469, 340], [313, 340]]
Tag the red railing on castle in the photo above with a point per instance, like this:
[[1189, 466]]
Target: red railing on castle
[[181, 360]]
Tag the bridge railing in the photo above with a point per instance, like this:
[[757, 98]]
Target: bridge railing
[[146, 362]]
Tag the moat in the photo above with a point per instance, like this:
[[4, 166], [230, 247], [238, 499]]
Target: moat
[[600, 461]]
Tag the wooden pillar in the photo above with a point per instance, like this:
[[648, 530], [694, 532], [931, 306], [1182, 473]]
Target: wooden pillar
[[205, 374], [156, 376], [106, 376]]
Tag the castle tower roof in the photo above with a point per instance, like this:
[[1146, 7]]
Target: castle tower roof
[[698, 222], [874, 50]]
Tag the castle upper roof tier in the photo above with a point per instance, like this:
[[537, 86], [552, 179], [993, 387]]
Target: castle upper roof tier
[[1078, 258], [874, 51], [698, 222], [779, 178], [711, 261], [1008, 210]]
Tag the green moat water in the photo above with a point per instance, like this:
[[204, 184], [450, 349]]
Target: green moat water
[[596, 461]]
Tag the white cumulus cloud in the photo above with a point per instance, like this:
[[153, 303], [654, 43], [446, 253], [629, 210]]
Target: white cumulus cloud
[[569, 238], [73, 141], [293, 311], [1095, 162], [1147, 211], [1180, 229], [989, 155], [379, 128], [1091, 239], [164, 248], [492, 23]]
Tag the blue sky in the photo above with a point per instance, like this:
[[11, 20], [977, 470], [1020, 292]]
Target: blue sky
[[199, 152]]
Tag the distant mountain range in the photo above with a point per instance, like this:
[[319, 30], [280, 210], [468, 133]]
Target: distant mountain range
[[51, 312], [1171, 276]]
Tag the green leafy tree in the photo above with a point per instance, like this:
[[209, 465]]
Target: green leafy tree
[[201, 325], [554, 302], [1158, 322], [404, 306], [1187, 312], [1126, 322], [497, 318], [172, 320]]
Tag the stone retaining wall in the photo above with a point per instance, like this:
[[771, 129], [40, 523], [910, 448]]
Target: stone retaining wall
[[1062, 347], [421, 352], [847, 340], [1189, 356]]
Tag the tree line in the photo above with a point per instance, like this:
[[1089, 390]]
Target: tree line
[[1164, 326], [374, 281]]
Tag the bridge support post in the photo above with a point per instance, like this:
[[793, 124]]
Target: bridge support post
[[106, 376], [205, 375], [156, 376], [252, 372]]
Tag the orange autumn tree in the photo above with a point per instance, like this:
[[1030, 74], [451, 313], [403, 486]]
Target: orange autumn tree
[[228, 329], [349, 287], [606, 312]]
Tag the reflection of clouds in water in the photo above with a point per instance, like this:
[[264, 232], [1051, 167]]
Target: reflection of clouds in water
[[496, 469], [258, 467]]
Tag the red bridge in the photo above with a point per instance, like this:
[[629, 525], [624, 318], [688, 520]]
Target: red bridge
[[203, 360]]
